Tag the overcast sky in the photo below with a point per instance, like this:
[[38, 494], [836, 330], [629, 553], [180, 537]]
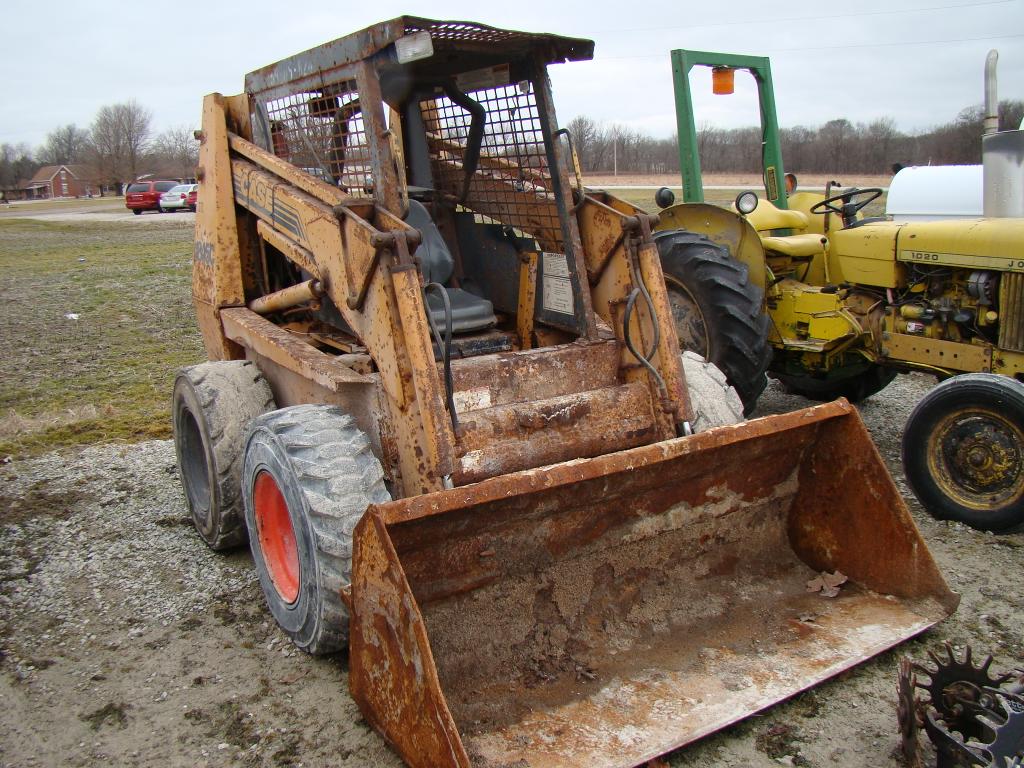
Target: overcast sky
[[917, 61]]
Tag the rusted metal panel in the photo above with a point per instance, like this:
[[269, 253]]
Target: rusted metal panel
[[435, 456], [245, 327], [216, 266], [527, 299], [536, 374], [392, 675], [508, 438], [602, 235], [669, 362], [293, 251], [298, 178], [604, 611], [388, 185]]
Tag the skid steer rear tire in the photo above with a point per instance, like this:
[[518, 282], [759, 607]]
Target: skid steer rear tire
[[716, 310], [309, 476], [714, 401], [211, 408]]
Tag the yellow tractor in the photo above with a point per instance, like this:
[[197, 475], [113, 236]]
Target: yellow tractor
[[445, 406], [850, 302]]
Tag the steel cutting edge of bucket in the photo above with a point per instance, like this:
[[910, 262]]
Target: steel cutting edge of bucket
[[604, 611]]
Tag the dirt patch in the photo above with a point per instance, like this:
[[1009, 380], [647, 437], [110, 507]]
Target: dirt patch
[[109, 579]]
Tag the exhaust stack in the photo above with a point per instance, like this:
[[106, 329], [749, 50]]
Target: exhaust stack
[[991, 93], [1002, 155]]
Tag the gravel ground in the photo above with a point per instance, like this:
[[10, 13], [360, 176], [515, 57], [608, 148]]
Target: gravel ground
[[126, 642]]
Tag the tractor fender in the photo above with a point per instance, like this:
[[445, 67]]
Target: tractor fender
[[723, 227]]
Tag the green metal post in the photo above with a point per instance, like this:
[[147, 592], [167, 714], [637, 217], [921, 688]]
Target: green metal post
[[772, 170]]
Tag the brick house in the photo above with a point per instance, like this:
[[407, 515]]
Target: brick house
[[60, 181]]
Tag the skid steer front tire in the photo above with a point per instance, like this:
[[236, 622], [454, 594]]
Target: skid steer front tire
[[716, 310], [309, 476], [963, 451], [211, 408], [714, 401]]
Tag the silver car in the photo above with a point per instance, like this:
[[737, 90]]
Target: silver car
[[176, 198]]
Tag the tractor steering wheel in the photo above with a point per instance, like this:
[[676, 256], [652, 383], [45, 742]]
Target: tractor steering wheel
[[852, 202]]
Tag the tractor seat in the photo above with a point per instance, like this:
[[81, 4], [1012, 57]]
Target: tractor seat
[[469, 311], [796, 246], [767, 217]]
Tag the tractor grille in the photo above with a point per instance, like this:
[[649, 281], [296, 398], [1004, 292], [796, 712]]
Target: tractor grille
[[1011, 311], [322, 133], [512, 181]]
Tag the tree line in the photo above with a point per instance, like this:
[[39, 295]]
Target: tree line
[[837, 146], [118, 147]]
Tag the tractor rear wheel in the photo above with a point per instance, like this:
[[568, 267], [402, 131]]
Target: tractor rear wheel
[[854, 388], [716, 310], [309, 476], [211, 408], [963, 451]]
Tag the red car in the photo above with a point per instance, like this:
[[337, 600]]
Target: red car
[[145, 195], [193, 197]]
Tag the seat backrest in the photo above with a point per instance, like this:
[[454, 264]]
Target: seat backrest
[[433, 253], [767, 217]]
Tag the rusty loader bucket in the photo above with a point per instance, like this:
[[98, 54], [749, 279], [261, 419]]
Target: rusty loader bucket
[[602, 612]]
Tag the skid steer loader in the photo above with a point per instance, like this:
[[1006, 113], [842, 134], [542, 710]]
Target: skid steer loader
[[446, 406], [851, 301]]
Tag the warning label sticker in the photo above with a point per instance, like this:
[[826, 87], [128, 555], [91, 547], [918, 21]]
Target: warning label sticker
[[557, 284]]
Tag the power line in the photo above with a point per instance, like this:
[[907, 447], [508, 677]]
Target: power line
[[778, 20], [838, 47]]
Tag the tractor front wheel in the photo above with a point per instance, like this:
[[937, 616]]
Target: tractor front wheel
[[854, 388], [716, 310], [309, 476], [963, 451]]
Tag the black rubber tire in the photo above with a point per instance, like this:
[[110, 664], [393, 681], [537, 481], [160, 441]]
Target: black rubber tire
[[325, 470], [730, 319], [968, 424], [137, 211], [855, 388], [211, 408]]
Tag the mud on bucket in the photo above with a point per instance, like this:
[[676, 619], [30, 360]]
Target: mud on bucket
[[602, 612]]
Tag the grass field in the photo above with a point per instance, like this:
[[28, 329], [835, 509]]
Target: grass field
[[106, 375]]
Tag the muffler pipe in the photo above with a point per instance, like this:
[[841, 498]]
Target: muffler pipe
[[991, 93]]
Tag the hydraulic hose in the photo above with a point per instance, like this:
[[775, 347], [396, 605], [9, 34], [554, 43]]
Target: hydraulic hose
[[445, 346]]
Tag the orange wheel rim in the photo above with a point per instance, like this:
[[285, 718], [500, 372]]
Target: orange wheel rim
[[277, 537]]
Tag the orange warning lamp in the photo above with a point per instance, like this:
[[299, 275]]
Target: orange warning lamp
[[723, 80]]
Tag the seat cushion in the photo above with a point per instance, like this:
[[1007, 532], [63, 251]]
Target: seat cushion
[[469, 312], [796, 245]]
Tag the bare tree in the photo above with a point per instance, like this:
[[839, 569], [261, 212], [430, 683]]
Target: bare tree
[[64, 145], [120, 135], [16, 165], [177, 150]]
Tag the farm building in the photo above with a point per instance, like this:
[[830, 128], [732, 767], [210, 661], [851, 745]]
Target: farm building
[[60, 181]]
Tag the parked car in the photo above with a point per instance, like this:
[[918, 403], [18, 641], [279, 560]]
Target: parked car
[[193, 197], [145, 195], [176, 198]]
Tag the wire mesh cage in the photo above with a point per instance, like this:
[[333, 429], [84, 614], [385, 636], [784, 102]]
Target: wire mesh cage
[[323, 133], [511, 182]]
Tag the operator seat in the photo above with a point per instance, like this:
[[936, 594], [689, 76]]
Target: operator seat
[[469, 311]]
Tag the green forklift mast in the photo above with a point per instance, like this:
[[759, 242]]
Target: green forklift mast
[[689, 157]]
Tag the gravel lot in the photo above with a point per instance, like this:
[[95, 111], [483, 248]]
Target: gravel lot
[[126, 642]]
